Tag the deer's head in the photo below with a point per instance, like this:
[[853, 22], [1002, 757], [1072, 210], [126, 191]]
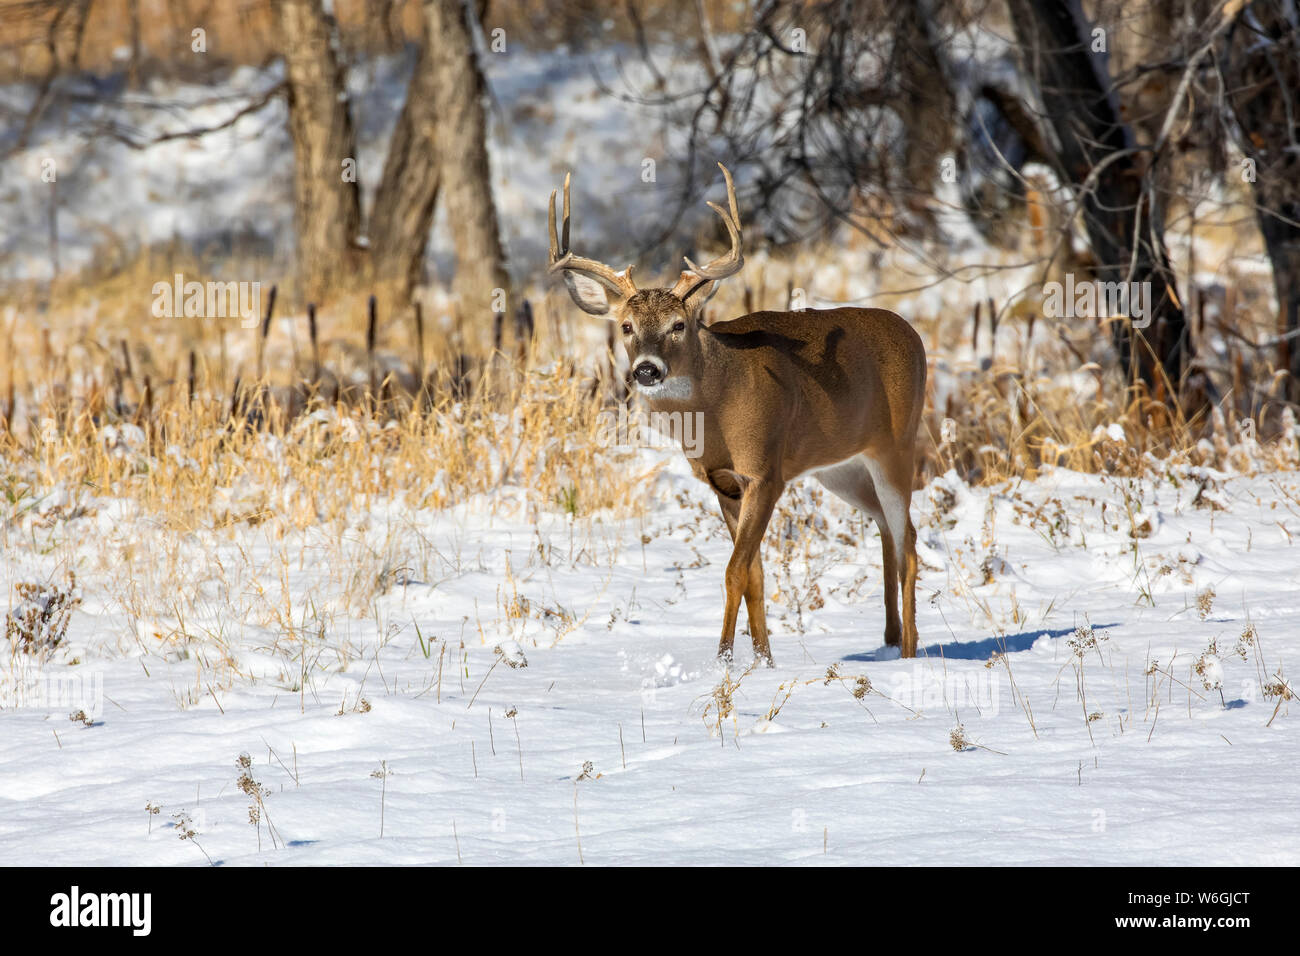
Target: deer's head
[[659, 327]]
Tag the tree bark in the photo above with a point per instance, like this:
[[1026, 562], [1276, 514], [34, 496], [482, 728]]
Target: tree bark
[[1123, 222], [327, 206], [459, 92], [928, 105], [402, 214], [1262, 66]]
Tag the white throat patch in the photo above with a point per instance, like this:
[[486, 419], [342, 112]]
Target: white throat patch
[[679, 388]]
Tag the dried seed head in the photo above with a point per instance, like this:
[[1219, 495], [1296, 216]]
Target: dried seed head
[[1205, 602], [1084, 640]]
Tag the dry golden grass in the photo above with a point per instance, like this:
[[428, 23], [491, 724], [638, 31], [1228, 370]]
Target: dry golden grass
[[177, 458], [97, 385]]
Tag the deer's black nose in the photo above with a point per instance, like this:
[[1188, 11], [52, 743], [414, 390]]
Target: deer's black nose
[[648, 373]]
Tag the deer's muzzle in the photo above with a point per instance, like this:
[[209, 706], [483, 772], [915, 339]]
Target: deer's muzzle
[[648, 372]]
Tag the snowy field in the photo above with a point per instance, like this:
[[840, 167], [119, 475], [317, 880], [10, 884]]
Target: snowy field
[[1103, 680]]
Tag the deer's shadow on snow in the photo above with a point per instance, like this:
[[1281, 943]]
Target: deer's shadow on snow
[[980, 650]]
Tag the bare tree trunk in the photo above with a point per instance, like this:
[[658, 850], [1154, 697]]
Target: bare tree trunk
[[459, 91], [404, 203], [1095, 154], [133, 68], [327, 207], [1282, 240], [928, 103], [1262, 67]]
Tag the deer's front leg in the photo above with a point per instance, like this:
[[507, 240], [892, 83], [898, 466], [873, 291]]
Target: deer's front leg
[[753, 590], [758, 500]]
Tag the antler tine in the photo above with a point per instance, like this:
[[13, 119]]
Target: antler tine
[[558, 248], [563, 259], [732, 261], [552, 237], [567, 176]]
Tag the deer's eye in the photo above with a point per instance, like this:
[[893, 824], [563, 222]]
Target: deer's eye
[[679, 326], [627, 328]]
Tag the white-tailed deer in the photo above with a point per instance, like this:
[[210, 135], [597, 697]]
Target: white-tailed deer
[[834, 393]]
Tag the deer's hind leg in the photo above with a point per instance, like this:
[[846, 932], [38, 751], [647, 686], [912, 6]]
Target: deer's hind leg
[[851, 481], [892, 475]]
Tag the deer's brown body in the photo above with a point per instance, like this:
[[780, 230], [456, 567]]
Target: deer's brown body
[[836, 394]]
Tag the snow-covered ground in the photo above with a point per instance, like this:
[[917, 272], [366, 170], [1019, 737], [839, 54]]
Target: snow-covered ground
[[1083, 695]]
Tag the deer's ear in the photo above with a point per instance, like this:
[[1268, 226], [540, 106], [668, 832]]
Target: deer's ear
[[588, 294], [696, 299]]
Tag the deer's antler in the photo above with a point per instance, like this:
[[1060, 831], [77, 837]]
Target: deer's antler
[[725, 265], [564, 261]]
